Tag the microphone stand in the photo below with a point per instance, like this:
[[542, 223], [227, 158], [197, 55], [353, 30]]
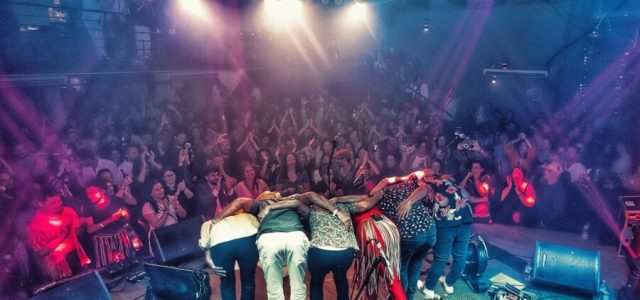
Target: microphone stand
[[333, 149], [379, 259], [193, 178]]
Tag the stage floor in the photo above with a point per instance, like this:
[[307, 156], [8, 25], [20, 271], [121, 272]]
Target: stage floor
[[512, 246]]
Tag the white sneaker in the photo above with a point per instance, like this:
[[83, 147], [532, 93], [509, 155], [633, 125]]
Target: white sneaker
[[447, 288], [428, 294]]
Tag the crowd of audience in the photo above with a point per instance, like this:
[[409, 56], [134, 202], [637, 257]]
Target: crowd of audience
[[117, 165]]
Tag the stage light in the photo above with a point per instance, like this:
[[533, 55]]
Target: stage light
[[283, 11], [493, 81], [485, 187], [195, 8], [425, 26], [505, 63], [55, 222], [530, 201], [358, 11]]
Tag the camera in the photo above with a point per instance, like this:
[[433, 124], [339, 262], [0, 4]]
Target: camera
[[459, 134], [469, 144], [466, 146]]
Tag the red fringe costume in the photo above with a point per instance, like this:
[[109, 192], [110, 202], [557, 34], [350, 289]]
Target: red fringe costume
[[385, 231]]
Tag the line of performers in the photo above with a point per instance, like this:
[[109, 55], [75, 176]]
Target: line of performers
[[388, 234]]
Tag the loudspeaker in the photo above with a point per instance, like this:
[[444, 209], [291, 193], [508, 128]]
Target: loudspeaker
[[174, 283], [178, 242], [84, 286], [565, 266]]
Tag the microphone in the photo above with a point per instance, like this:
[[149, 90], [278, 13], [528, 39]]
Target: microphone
[[385, 260]]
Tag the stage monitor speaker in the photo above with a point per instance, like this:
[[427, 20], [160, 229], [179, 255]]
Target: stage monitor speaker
[[166, 282], [84, 286], [565, 266], [178, 242], [477, 256]]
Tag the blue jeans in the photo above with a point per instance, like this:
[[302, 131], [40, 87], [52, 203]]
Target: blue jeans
[[225, 255], [452, 241], [412, 254], [321, 262]]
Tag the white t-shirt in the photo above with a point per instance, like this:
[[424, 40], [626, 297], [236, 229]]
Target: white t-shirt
[[227, 229], [171, 219]]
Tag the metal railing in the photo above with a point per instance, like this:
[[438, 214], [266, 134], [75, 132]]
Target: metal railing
[[39, 36]]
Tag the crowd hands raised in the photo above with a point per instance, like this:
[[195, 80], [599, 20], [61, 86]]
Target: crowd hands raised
[[118, 167]]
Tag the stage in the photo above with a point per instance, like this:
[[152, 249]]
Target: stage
[[510, 248]]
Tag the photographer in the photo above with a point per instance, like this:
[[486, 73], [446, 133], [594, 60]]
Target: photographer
[[479, 185]]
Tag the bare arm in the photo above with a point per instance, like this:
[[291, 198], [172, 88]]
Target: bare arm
[[349, 198], [322, 202], [368, 202], [237, 205], [405, 206], [284, 204]]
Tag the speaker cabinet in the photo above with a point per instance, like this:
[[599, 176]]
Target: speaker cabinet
[[83, 286], [565, 266], [166, 282], [178, 242]]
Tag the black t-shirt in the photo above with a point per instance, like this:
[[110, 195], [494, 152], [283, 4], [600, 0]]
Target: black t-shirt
[[99, 215]]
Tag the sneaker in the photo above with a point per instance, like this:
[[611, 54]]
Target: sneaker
[[428, 294], [447, 288]]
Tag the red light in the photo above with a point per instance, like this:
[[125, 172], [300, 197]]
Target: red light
[[61, 247], [516, 217], [530, 201], [102, 203], [137, 244], [55, 222]]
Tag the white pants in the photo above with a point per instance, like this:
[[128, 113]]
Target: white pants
[[277, 249]]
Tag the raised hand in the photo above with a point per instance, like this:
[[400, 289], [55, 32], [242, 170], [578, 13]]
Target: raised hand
[[181, 186]]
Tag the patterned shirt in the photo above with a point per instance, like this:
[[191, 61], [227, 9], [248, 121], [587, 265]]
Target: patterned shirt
[[419, 218], [328, 231]]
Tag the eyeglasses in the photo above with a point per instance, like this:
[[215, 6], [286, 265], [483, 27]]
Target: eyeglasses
[[169, 175]]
